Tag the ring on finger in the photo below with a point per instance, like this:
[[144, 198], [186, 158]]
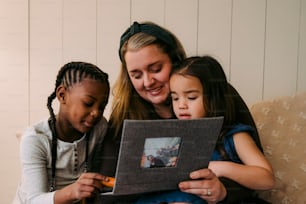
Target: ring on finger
[[208, 192]]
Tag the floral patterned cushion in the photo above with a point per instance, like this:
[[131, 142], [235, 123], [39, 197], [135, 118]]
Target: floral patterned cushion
[[281, 123]]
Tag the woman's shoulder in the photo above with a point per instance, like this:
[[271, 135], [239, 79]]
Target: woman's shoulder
[[100, 128], [101, 125]]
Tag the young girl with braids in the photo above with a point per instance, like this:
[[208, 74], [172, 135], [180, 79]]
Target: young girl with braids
[[61, 154]]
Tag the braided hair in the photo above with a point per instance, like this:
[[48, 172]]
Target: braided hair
[[70, 74]]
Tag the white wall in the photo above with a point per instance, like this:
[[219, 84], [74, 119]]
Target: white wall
[[260, 43]]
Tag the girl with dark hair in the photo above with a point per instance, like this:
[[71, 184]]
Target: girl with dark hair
[[199, 89], [61, 154]]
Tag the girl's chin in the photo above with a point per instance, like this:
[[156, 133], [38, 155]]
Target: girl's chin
[[184, 117]]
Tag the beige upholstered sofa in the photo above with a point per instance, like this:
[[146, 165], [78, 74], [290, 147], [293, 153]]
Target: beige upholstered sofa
[[281, 124]]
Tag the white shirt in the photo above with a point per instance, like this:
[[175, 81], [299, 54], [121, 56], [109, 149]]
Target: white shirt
[[35, 154]]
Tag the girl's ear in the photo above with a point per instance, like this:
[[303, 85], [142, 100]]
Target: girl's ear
[[61, 94]]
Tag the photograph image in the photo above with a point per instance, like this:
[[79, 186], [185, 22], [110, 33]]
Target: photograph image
[[160, 152]]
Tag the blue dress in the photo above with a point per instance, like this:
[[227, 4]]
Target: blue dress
[[179, 196]]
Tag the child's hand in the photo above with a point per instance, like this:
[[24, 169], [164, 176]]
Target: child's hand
[[109, 182], [87, 185], [217, 167]]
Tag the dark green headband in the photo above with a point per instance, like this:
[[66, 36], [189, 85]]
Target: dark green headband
[[149, 29]]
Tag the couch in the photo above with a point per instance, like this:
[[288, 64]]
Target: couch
[[281, 124]]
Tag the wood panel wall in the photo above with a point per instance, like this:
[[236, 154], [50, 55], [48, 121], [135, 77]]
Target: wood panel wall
[[260, 43]]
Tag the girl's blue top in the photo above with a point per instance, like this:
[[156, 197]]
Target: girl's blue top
[[179, 196]]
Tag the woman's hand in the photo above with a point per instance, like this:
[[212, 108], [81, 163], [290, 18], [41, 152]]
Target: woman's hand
[[87, 185], [206, 185]]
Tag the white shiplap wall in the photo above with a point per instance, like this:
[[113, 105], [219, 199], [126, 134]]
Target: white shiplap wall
[[260, 43]]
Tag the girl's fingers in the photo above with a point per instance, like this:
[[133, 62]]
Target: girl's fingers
[[93, 179], [109, 182], [202, 174], [91, 175]]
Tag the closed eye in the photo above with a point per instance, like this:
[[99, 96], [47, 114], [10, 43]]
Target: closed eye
[[174, 97], [88, 104], [155, 68], [192, 98], [135, 75]]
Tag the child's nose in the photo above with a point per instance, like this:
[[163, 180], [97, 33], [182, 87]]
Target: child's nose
[[182, 104], [95, 113]]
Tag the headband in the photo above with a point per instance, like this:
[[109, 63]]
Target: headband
[[149, 29]]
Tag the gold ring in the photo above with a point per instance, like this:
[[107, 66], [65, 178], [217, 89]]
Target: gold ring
[[208, 192]]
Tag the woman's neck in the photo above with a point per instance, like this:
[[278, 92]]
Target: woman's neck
[[164, 111]]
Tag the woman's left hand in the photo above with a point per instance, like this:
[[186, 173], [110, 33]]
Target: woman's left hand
[[206, 185]]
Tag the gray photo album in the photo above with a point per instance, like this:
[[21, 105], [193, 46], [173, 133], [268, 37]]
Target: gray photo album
[[156, 155]]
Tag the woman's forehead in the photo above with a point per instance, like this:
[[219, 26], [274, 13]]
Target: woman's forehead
[[144, 56]]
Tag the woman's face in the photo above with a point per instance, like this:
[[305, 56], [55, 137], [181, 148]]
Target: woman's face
[[149, 70]]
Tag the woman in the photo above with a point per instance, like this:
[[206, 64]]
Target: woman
[[148, 54]]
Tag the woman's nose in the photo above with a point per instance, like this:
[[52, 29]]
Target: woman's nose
[[148, 80]]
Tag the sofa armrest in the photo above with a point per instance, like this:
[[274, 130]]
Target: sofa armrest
[[281, 124]]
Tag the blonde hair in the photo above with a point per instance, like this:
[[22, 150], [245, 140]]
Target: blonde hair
[[127, 104]]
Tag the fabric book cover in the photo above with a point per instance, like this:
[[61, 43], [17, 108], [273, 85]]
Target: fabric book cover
[[156, 155]]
